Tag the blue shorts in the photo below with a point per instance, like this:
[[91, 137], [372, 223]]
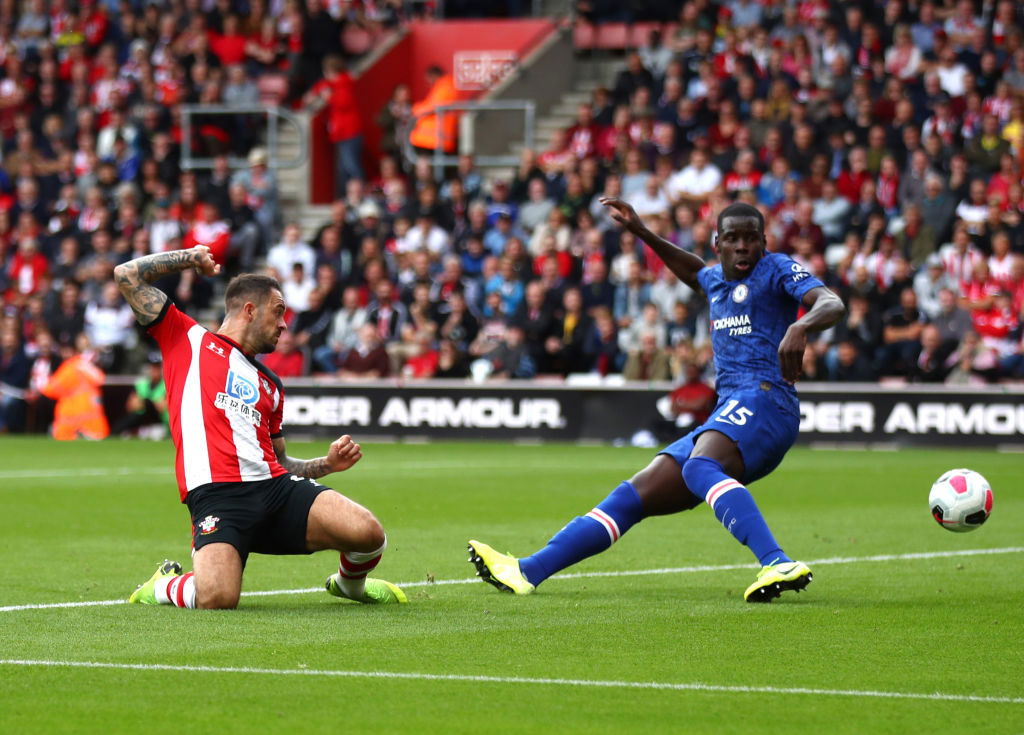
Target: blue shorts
[[763, 428]]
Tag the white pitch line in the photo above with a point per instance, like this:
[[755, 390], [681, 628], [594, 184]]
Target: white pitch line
[[391, 467], [579, 575], [84, 472], [595, 683]]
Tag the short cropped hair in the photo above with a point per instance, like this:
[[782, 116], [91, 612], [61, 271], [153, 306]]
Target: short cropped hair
[[249, 287], [741, 209]]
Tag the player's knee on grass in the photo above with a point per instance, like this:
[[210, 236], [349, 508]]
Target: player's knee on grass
[[218, 576], [217, 598], [217, 589]]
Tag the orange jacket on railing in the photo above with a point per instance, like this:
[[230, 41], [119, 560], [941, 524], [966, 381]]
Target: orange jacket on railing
[[76, 389], [425, 133]]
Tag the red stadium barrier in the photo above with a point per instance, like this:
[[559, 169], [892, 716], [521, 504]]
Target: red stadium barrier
[[616, 36]]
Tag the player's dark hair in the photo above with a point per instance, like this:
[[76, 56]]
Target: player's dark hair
[[741, 209], [249, 287]]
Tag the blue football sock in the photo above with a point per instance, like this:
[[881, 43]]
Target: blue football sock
[[587, 535], [734, 507]]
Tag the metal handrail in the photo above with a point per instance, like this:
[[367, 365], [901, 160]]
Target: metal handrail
[[274, 114], [440, 159]]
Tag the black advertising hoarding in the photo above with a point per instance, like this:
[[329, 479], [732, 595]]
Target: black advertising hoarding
[[830, 413], [986, 416], [426, 410]]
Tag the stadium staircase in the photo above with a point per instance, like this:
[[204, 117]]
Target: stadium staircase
[[599, 70], [293, 183], [563, 114]]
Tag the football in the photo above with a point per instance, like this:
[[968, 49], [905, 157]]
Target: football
[[960, 500]]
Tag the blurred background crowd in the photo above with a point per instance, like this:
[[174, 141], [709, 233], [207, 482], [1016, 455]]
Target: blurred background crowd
[[883, 141]]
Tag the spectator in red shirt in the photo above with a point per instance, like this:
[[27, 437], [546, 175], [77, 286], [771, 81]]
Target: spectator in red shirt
[[550, 251], [210, 231], [803, 226], [691, 402], [979, 294], [743, 177], [851, 180], [888, 186], [583, 134], [368, 359], [996, 325], [229, 46], [287, 361], [423, 363], [264, 48], [27, 271], [95, 24], [337, 91]]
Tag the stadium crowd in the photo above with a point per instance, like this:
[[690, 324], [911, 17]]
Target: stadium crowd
[[883, 143]]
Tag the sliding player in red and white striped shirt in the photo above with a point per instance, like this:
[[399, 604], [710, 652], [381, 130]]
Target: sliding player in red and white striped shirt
[[244, 492]]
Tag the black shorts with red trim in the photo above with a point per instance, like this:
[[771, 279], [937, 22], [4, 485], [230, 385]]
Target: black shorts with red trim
[[262, 516]]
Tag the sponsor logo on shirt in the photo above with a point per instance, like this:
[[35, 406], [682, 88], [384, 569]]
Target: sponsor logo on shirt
[[239, 397], [241, 388], [736, 325]]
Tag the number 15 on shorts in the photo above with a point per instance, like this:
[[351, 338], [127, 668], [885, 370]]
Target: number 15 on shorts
[[735, 414]]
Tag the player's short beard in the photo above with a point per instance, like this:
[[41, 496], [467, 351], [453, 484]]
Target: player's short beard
[[270, 344]]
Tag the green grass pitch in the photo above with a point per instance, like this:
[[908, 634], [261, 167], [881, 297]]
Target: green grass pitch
[[873, 646]]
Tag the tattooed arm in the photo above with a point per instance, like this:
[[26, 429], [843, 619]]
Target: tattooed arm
[[135, 277], [343, 454]]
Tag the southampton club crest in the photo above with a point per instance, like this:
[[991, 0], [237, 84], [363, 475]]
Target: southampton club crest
[[208, 525]]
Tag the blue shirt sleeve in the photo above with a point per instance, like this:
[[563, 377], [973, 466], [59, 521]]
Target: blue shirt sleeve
[[793, 278], [702, 277]]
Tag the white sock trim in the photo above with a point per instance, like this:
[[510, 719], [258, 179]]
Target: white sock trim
[[160, 590], [721, 488], [361, 557], [607, 521]]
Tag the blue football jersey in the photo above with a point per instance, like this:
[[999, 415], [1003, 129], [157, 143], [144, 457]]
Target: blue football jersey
[[750, 316]]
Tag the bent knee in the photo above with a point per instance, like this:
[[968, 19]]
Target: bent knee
[[217, 600], [372, 536], [661, 487]]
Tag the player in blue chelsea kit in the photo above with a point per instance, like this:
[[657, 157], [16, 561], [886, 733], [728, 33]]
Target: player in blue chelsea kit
[[759, 345]]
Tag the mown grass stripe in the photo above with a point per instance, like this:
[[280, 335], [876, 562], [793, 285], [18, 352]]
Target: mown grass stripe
[[581, 575]]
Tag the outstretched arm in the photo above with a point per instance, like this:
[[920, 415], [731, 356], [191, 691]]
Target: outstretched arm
[[685, 265], [135, 277], [824, 309], [343, 454]]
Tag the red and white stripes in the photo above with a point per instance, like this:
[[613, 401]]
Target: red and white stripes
[[607, 521], [721, 488], [353, 569], [181, 590]]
